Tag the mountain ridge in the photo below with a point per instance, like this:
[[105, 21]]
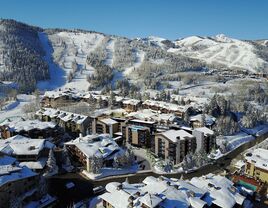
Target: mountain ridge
[[80, 54]]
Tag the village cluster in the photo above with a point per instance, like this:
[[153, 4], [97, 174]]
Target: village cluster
[[104, 142]]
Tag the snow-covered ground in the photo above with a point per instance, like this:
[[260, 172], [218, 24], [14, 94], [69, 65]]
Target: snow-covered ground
[[57, 75], [139, 59], [17, 111], [222, 50], [67, 47], [106, 172]]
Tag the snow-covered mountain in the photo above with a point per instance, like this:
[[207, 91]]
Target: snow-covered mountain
[[84, 59], [222, 50]]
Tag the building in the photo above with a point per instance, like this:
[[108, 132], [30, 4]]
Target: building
[[72, 123], [205, 139], [85, 149], [137, 122], [220, 191], [174, 145], [16, 182], [200, 192], [32, 129], [137, 135], [166, 108], [32, 153], [131, 105], [257, 164], [201, 120], [153, 193], [107, 126]]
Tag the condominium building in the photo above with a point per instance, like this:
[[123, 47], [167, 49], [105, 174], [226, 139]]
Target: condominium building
[[174, 145], [257, 164], [205, 139]]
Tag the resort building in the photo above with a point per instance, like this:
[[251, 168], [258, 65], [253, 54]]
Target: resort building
[[85, 149], [16, 182], [257, 164], [205, 139], [174, 145]]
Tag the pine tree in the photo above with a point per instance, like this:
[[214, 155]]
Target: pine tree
[[51, 163]]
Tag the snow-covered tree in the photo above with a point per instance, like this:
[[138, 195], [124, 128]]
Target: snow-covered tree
[[116, 162], [51, 164], [66, 163], [96, 164]]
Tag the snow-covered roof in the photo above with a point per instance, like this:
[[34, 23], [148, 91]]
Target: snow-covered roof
[[148, 114], [175, 135], [63, 115], [35, 165], [165, 105], [154, 192], [108, 121], [142, 121], [20, 145], [131, 102], [221, 190], [96, 145], [205, 130], [209, 120], [12, 173], [27, 125], [259, 157], [6, 160]]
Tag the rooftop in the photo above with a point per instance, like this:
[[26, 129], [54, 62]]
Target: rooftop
[[205, 130], [19, 124], [175, 135], [96, 145], [259, 157], [63, 115], [20, 145], [221, 190], [12, 173]]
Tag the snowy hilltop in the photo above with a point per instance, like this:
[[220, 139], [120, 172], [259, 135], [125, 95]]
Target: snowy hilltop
[[54, 58]]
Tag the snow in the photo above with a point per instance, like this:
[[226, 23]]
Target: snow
[[12, 173], [223, 50], [139, 59], [110, 50], [62, 115], [6, 160], [18, 125], [221, 190], [259, 157], [22, 100], [57, 75], [35, 165], [205, 130], [256, 131], [83, 43], [96, 145], [10, 105], [20, 145], [234, 141], [175, 135], [106, 172]]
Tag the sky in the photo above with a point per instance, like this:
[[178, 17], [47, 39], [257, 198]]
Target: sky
[[172, 19]]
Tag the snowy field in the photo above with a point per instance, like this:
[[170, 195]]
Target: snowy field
[[17, 108]]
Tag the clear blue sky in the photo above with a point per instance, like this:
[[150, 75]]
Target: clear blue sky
[[245, 19]]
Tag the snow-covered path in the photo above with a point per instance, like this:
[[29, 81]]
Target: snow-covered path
[[57, 75]]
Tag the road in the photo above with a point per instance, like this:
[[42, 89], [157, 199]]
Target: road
[[83, 187]]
